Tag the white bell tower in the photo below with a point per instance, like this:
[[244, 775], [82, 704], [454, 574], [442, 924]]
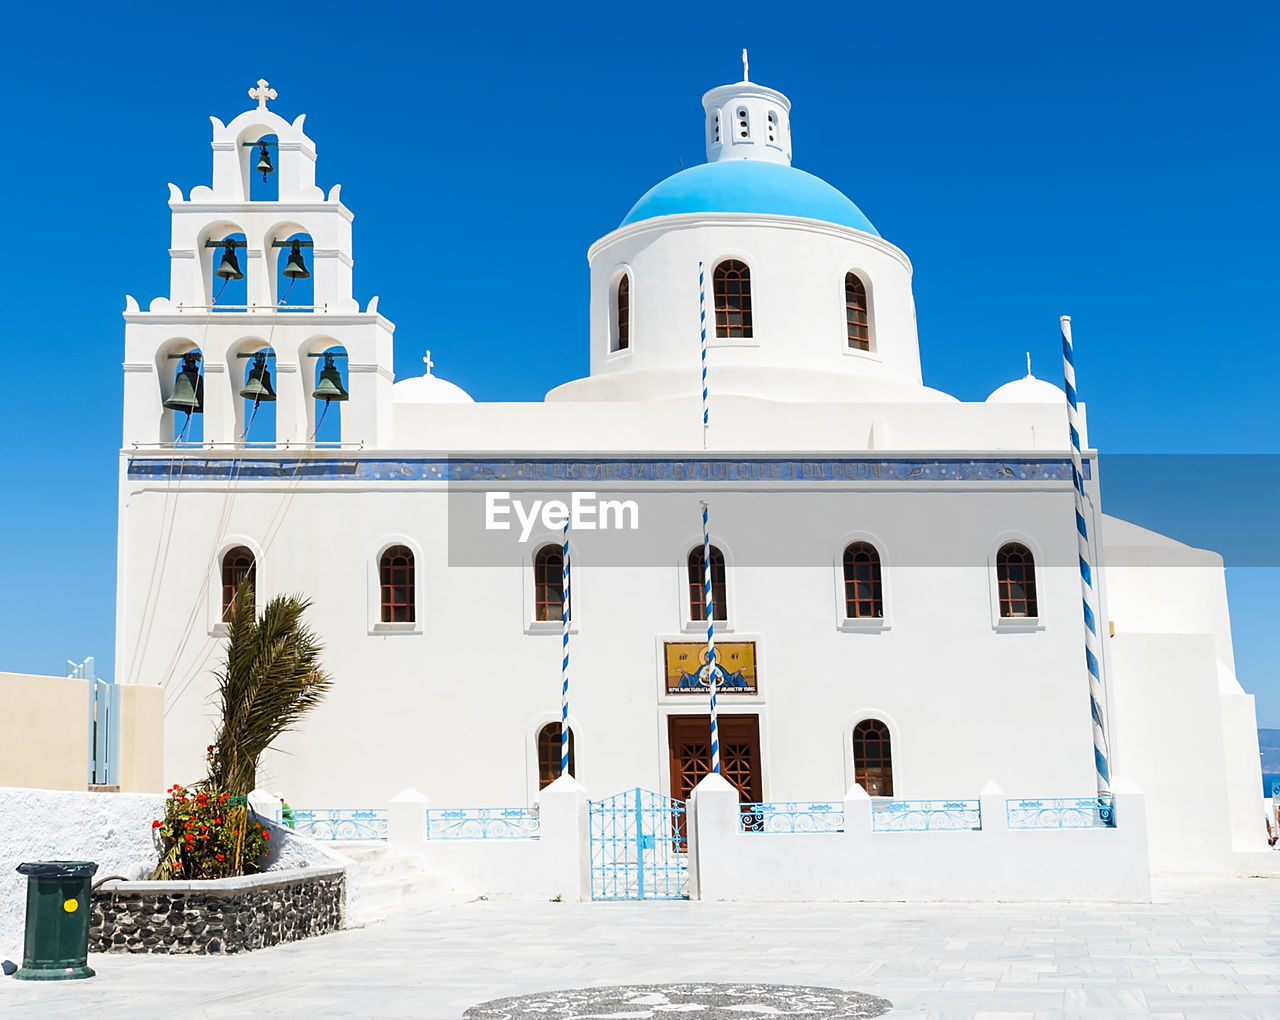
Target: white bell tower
[[748, 121], [193, 318]]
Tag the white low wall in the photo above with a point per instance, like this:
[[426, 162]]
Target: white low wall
[[111, 829], [991, 863], [553, 865], [114, 831]]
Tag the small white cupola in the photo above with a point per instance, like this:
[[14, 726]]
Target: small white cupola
[[748, 121]]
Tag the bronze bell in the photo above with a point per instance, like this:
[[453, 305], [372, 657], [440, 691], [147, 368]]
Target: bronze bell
[[330, 385], [258, 386], [229, 267], [264, 162], [294, 267], [188, 388]]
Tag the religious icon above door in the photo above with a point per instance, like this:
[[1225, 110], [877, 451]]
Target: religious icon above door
[[686, 667]]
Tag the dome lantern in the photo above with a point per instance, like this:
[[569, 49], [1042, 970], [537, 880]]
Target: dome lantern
[[748, 121]]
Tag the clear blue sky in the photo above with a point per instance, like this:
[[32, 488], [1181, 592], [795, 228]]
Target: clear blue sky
[[1113, 162]]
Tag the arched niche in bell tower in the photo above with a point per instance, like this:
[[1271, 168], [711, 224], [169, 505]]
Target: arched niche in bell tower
[[224, 267], [291, 270], [261, 185], [255, 378]]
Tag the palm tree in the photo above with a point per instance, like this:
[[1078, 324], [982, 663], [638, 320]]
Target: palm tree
[[271, 678]]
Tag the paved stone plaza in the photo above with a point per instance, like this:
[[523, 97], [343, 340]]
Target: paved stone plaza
[[1205, 948]]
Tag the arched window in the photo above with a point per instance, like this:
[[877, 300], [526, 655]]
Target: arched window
[[855, 312], [397, 581], [622, 320], [744, 130], [773, 126], [716, 128], [548, 584], [1016, 580], [732, 282], [698, 593], [549, 754], [237, 565], [863, 594], [873, 758]]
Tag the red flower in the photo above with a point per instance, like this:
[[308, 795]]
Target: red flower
[[222, 799], [156, 824], [209, 748], [235, 832], [190, 838], [220, 857], [217, 821], [266, 834]]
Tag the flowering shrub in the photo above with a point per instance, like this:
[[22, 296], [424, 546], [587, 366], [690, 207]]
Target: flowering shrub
[[204, 833]]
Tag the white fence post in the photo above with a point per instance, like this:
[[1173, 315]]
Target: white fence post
[[993, 806], [857, 813], [407, 820], [565, 839], [712, 824]]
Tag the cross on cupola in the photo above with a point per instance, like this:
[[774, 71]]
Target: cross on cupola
[[262, 93], [428, 362]]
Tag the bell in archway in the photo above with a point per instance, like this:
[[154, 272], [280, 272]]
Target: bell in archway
[[229, 267], [294, 267], [258, 386], [188, 388], [264, 162], [330, 385]]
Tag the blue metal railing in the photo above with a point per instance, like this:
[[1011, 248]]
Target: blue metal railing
[[925, 815], [482, 823], [1060, 813], [792, 816], [336, 823]]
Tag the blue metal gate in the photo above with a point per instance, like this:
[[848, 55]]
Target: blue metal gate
[[638, 847], [104, 724]]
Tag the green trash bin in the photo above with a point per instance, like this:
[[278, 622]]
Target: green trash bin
[[57, 937]]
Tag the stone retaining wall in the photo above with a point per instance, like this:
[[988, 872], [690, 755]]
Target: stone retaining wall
[[224, 915]]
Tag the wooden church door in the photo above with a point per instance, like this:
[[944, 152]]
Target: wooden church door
[[689, 740]]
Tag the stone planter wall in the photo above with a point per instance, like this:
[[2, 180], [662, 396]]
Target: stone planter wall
[[224, 915]]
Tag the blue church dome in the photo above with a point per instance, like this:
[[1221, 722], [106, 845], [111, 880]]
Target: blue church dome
[[749, 186]]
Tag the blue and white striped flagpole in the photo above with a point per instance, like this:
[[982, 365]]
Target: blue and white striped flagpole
[[564, 668], [702, 317], [1092, 648], [711, 639]]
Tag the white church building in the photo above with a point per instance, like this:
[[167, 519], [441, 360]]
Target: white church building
[[896, 580]]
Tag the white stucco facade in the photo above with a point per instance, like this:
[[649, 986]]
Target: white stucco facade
[[805, 426]]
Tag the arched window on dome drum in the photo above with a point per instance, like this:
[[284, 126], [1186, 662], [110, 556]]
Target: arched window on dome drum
[[622, 316], [697, 591], [732, 286], [549, 754], [397, 581], [873, 758], [548, 584], [237, 565], [1016, 581], [863, 594], [855, 310]]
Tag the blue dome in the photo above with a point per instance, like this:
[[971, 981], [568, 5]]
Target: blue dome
[[749, 186]]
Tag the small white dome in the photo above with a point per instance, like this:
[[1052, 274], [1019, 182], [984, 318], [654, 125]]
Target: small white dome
[[1028, 390], [429, 389]]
